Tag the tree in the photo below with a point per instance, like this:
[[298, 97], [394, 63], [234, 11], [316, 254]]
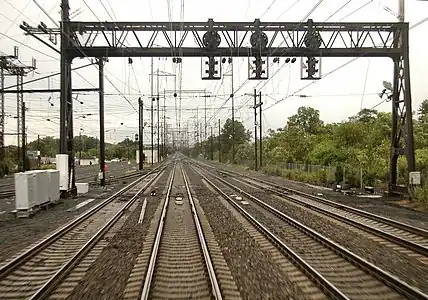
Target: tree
[[242, 136], [307, 120], [423, 112], [365, 116]]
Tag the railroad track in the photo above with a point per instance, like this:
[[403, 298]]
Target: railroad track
[[180, 264], [407, 236], [340, 273], [35, 273]]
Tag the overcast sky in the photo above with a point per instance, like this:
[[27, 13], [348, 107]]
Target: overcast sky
[[337, 96]]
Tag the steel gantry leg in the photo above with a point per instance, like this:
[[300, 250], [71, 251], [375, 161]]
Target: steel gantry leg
[[19, 117], [402, 142], [2, 117]]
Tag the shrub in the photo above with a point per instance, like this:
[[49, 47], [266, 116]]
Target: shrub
[[421, 196]]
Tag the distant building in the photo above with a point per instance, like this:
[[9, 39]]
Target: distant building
[[87, 160], [148, 156]]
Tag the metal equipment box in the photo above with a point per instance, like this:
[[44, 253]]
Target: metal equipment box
[[82, 188], [53, 188], [42, 179], [62, 167], [25, 191]]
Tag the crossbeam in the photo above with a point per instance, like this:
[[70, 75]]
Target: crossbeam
[[34, 91], [281, 39]]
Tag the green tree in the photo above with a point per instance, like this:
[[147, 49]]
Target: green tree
[[306, 120], [242, 136], [423, 112]]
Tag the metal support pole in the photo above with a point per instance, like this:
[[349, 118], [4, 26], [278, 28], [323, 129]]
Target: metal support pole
[[80, 145], [102, 141], [233, 118], [212, 145], [157, 112], [164, 125], [151, 107], [140, 133], [205, 118], [401, 9], [158, 128], [25, 166], [410, 151], [66, 101], [261, 132], [255, 130], [219, 142], [197, 131], [127, 148], [19, 105], [152, 125]]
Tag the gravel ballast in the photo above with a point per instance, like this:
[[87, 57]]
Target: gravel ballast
[[379, 206], [404, 266], [106, 278], [256, 276], [16, 234]]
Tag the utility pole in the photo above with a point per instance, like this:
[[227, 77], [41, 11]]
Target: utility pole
[[197, 130], [80, 145], [158, 113], [164, 125], [233, 117], [219, 142], [212, 147], [9, 67], [140, 133], [255, 130], [205, 118], [102, 133], [260, 127], [25, 166], [19, 115], [151, 108], [66, 101]]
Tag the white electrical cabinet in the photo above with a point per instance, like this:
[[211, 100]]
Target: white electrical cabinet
[[53, 188], [42, 179], [82, 188], [25, 190], [62, 167]]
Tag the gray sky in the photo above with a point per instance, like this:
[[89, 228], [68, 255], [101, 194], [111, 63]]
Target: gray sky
[[337, 96]]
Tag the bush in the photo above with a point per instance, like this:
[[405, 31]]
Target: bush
[[321, 177], [421, 196]]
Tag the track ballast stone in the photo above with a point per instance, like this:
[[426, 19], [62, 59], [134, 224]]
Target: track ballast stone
[[257, 277], [107, 276], [381, 254]]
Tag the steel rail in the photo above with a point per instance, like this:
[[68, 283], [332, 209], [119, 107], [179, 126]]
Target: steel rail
[[322, 282], [213, 277], [415, 230], [390, 280], [376, 231], [24, 257], [50, 285], [155, 248], [406, 227]]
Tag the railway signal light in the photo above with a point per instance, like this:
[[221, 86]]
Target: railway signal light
[[259, 71], [312, 68], [213, 69]]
